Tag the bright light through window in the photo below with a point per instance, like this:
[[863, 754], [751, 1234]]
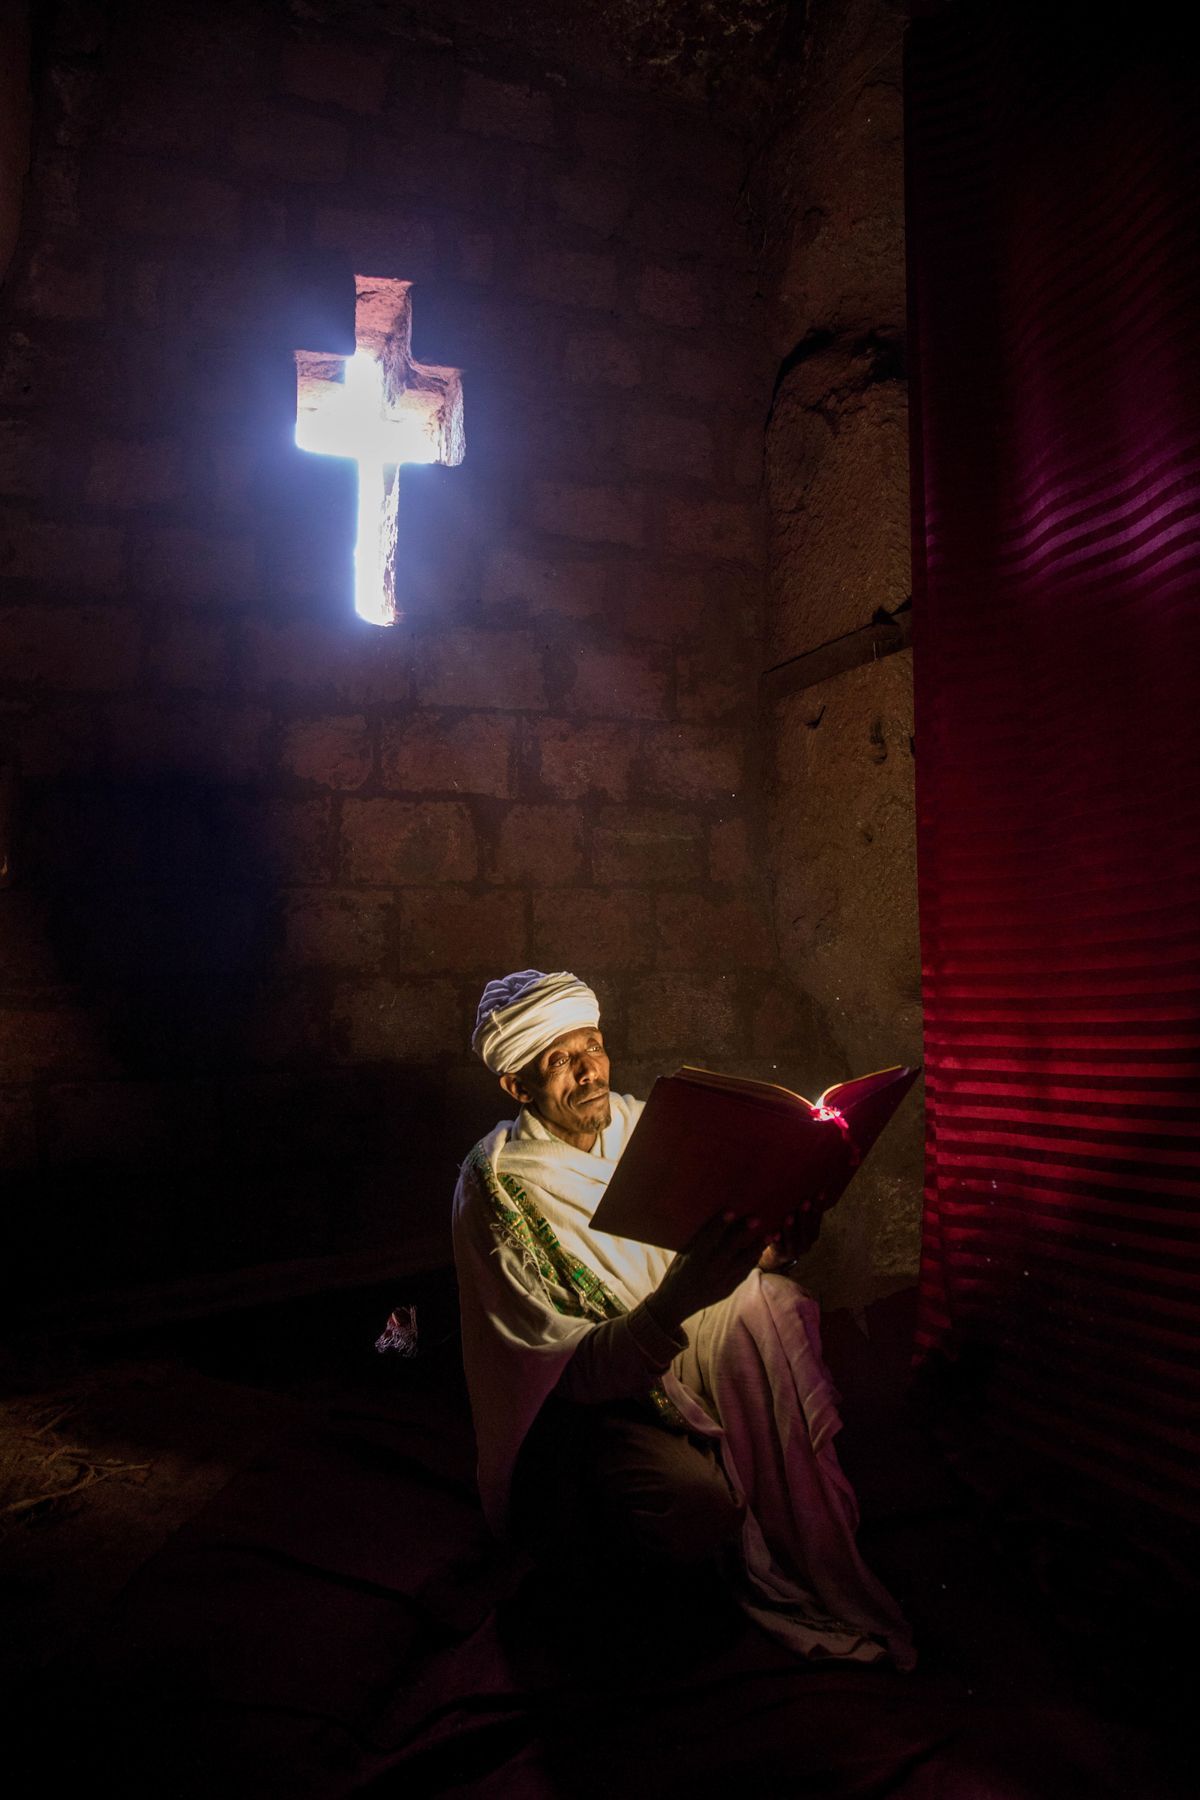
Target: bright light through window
[[351, 418]]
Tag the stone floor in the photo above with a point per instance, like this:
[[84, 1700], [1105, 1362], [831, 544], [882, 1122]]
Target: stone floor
[[264, 1521]]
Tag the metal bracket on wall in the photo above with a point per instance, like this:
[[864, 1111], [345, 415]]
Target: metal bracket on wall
[[887, 633]]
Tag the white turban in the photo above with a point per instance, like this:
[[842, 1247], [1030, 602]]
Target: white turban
[[521, 1014]]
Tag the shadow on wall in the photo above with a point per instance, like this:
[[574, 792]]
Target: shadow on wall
[[159, 912], [200, 1127]]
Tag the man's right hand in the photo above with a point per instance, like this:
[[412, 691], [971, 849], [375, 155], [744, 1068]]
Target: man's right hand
[[720, 1255]]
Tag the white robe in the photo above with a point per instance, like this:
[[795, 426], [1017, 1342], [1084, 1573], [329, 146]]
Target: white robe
[[752, 1363]]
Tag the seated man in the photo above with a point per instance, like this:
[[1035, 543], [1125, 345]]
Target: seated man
[[662, 1410]]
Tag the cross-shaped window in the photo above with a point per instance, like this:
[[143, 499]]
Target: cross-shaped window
[[380, 409]]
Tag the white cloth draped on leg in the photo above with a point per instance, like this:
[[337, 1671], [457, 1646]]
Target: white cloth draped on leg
[[755, 1358]]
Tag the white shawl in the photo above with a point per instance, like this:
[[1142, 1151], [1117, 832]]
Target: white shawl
[[753, 1361], [515, 1344]]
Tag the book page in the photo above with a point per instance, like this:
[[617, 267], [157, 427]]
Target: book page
[[769, 1091]]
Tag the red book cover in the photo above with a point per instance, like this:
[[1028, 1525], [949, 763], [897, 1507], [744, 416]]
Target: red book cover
[[709, 1142]]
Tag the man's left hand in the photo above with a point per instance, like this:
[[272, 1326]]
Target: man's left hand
[[800, 1231]]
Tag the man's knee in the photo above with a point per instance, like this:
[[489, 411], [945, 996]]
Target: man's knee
[[687, 1515], [624, 1479]]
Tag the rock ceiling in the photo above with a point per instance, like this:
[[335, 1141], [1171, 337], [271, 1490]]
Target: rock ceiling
[[724, 51]]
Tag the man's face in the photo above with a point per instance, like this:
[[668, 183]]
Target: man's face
[[567, 1086]]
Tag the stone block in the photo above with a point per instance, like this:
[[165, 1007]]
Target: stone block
[[556, 585], [728, 377], [569, 759], [217, 45], [39, 1042], [126, 472], [123, 1122], [389, 1021], [355, 663], [286, 1025], [451, 930], [135, 197], [693, 1015], [439, 169], [475, 256], [659, 601], [506, 109], [661, 444], [291, 839], [645, 845], [167, 118], [748, 452], [314, 1117], [602, 930], [406, 843], [712, 684], [28, 460], [63, 281], [379, 238], [729, 857], [690, 160], [621, 683], [60, 738], [92, 648], [26, 952], [724, 530], [781, 1026], [567, 436], [538, 846], [482, 669], [569, 278], [328, 928], [671, 297], [87, 559], [336, 72], [592, 514], [694, 762], [470, 754], [191, 652], [334, 751], [18, 1144], [148, 739], [695, 933], [688, 221], [597, 202], [179, 563], [285, 145], [425, 90], [601, 359], [608, 138]]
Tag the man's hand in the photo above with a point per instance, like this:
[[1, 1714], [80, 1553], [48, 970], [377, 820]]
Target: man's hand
[[800, 1232], [720, 1255]]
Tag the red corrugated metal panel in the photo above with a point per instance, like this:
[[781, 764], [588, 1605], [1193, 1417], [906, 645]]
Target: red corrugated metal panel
[[1055, 278]]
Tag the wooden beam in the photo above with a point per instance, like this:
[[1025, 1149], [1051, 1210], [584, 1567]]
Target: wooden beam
[[882, 637]]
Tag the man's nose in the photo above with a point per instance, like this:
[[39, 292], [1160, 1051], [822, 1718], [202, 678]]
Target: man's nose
[[587, 1067]]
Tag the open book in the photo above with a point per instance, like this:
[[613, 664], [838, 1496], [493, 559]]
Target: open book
[[708, 1142]]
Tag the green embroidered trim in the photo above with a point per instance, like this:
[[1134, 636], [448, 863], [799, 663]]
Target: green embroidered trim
[[572, 1288], [574, 1276]]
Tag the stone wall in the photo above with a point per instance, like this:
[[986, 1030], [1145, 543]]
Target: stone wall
[[840, 781], [14, 121], [264, 855]]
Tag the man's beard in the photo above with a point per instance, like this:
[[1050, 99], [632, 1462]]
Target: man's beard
[[589, 1105]]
